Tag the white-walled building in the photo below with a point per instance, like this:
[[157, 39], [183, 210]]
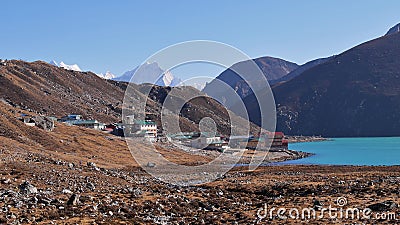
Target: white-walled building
[[146, 128], [204, 142]]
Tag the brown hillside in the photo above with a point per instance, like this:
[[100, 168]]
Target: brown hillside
[[47, 89], [72, 143], [41, 88]]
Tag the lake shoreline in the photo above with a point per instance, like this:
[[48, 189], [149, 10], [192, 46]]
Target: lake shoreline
[[301, 139], [363, 151]]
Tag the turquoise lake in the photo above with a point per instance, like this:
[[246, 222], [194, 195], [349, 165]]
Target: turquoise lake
[[350, 151]]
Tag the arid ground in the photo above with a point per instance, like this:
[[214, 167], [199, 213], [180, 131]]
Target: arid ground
[[91, 178]]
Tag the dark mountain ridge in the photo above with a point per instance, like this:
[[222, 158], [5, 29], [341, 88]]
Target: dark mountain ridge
[[301, 69], [356, 93], [272, 68]]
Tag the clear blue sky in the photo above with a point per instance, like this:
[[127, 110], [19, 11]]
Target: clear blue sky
[[119, 35]]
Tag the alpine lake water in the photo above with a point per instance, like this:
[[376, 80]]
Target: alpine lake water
[[377, 151]]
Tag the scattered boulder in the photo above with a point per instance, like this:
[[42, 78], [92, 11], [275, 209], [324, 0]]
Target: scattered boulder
[[383, 206], [91, 186], [5, 181], [27, 188], [44, 123], [151, 165], [73, 200], [91, 164], [137, 192]]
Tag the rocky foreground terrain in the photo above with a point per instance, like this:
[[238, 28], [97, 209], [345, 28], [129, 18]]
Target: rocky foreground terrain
[[62, 188], [59, 174], [73, 175]]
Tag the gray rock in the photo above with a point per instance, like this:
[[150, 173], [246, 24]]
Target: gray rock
[[27, 188], [137, 192], [150, 164], [73, 200], [44, 123], [383, 206], [5, 181], [9, 193], [45, 201], [91, 164], [91, 186]]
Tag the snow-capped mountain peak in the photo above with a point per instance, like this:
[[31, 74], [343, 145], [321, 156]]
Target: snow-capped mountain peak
[[168, 78], [108, 75], [74, 67], [149, 73]]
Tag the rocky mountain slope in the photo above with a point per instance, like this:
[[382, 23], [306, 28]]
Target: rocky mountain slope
[[273, 69], [356, 93], [194, 110], [41, 88], [301, 69], [394, 30], [46, 89], [74, 175]]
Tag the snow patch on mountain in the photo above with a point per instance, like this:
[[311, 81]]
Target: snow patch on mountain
[[108, 75], [149, 73], [74, 67]]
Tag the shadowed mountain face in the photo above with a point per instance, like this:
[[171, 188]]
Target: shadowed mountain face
[[356, 93], [394, 30], [301, 69], [272, 68]]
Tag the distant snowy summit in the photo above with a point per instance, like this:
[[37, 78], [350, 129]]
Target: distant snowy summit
[[73, 67], [146, 73], [108, 75], [149, 73], [394, 30]]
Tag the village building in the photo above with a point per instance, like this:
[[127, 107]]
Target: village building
[[43, 122], [130, 119], [266, 140], [277, 138], [92, 124], [77, 120], [141, 128], [70, 117], [209, 141], [237, 141], [146, 127]]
